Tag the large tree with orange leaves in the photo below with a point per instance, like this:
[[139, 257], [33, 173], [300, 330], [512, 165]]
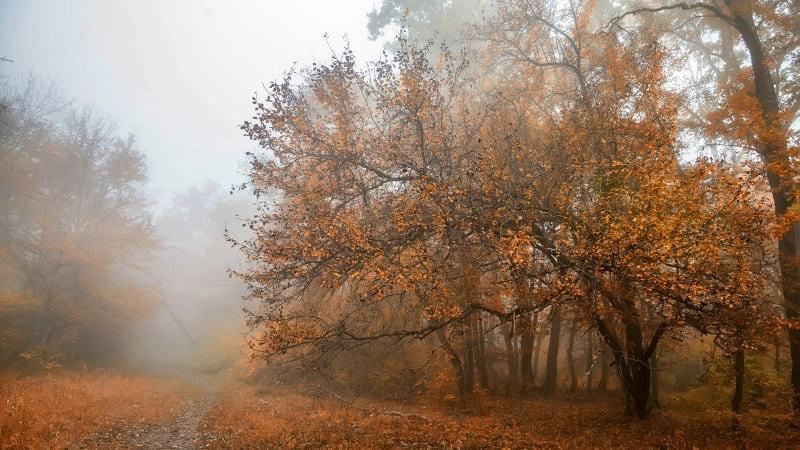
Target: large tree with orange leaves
[[653, 243], [402, 200], [741, 98], [365, 228]]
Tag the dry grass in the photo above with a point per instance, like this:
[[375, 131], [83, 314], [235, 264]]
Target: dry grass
[[58, 410], [61, 410], [246, 417]]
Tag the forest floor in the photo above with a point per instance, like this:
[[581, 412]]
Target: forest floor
[[111, 410]]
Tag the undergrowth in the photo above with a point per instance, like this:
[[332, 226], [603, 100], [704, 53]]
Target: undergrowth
[[249, 417]]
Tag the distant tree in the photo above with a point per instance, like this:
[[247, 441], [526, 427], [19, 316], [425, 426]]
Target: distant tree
[[73, 220], [426, 20], [200, 301]]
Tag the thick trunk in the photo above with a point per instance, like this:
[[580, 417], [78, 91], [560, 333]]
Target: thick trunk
[[480, 356], [455, 362], [551, 371], [469, 362], [773, 142], [602, 385], [632, 360], [738, 370], [639, 386]]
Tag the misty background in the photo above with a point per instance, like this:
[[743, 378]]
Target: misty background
[[179, 76]]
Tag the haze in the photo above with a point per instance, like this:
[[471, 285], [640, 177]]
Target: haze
[[177, 74], [480, 224]]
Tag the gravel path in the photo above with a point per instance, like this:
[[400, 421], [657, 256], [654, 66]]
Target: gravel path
[[180, 434]]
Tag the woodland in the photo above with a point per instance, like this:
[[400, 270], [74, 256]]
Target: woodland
[[530, 223]]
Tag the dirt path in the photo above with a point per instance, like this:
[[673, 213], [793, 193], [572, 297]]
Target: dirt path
[[180, 434]]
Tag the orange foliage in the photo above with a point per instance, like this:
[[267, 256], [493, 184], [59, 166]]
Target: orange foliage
[[256, 418], [402, 201]]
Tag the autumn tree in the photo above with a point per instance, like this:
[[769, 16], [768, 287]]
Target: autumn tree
[[404, 201], [73, 222], [746, 70], [366, 226], [640, 241]]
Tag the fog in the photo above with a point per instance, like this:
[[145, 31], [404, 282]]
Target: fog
[[471, 206], [199, 326], [179, 76]]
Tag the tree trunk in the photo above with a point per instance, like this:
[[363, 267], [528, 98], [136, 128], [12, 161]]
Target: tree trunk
[[527, 331], [632, 359], [480, 356], [637, 384], [573, 376], [551, 371], [655, 382], [602, 385], [469, 361], [590, 360], [537, 349], [511, 360], [738, 370], [455, 361], [770, 149]]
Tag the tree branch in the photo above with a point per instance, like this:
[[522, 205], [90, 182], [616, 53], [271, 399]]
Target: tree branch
[[715, 10]]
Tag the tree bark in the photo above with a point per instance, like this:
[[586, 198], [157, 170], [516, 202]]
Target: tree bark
[[527, 331], [455, 362], [738, 370], [537, 348], [602, 385], [573, 376], [773, 142], [655, 382], [590, 360], [551, 371], [511, 360], [469, 360], [480, 356]]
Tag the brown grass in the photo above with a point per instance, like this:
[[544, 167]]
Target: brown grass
[[246, 417], [61, 410], [57, 410]]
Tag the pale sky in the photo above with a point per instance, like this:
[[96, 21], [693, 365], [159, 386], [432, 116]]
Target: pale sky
[[178, 74]]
